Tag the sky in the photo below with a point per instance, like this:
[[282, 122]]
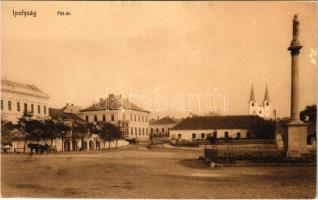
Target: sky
[[168, 57]]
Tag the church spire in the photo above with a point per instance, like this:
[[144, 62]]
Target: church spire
[[252, 96], [266, 97]]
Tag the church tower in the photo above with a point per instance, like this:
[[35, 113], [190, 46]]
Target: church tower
[[263, 109], [267, 105], [252, 107]]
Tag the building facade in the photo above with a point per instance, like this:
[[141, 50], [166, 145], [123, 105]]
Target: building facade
[[130, 118], [162, 126], [71, 108], [227, 127], [264, 109], [17, 98]]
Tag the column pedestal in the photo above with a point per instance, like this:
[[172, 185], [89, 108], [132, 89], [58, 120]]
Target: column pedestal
[[297, 139]]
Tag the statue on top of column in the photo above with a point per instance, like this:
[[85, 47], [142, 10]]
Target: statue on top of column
[[295, 40]]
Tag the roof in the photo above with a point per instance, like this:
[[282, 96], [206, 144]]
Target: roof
[[21, 88], [252, 96], [266, 97], [164, 120], [70, 108], [221, 122], [59, 114], [113, 104]]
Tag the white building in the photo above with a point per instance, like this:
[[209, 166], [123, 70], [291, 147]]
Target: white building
[[70, 108], [235, 127], [162, 126], [132, 120], [264, 109], [17, 98]]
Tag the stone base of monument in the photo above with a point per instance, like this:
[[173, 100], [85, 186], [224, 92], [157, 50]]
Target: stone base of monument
[[297, 139]]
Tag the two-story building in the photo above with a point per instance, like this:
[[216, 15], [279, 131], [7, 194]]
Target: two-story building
[[162, 126], [130, 118], [17, 98]]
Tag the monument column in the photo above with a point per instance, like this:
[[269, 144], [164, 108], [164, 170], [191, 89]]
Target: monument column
[[294, 52], [297, 130]]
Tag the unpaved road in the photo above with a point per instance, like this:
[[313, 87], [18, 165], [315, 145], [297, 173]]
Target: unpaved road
[[141, 173]]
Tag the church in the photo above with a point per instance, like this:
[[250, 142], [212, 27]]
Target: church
[[264, 109]]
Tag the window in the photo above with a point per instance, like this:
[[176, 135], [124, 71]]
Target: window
[[146, 119], [139, 131], [267, 104], [226, 134], [95, 118], [32, 108], [86, 118], [1, 104], [238, 135], [248, 135], [260, 112], [143, 131], [163, 130], [25, 107], [193, 135], [124, 117], [44, 110], [146, 131], [202, 135], [135, 117], [157, 130], [104, 118], [151, 130], [138, 118], [135, 130], [179, 136], [132, 131], [39, 109], [18, 106], [9, 105], [112, 117], [252, 104], [215, 134], [142, 118], [131, 117]]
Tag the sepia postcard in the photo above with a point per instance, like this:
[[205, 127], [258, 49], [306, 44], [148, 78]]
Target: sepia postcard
[[159, 100]]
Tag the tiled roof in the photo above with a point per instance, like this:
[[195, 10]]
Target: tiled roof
[[114, 104], [22, 88], [59, 114], [164, 120], [221, 122]]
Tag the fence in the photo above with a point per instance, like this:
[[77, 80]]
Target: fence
[[255, 152]]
